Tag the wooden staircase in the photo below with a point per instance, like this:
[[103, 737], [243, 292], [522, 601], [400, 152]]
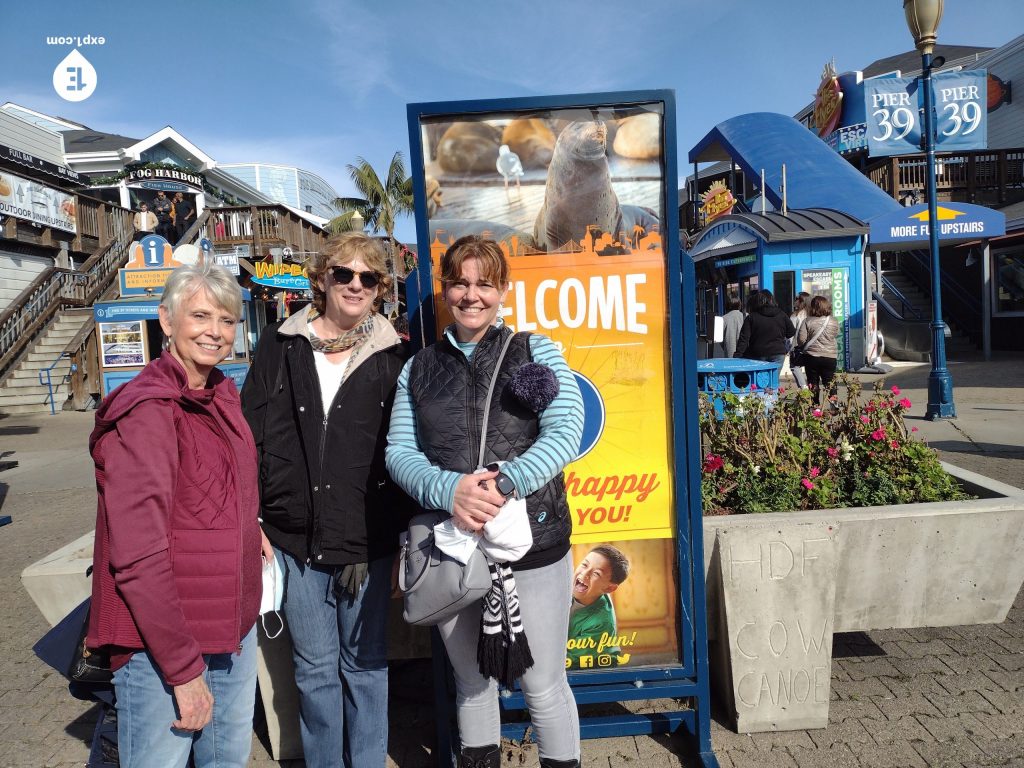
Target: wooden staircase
[[25, 391]]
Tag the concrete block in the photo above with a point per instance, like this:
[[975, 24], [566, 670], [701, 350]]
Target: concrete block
[[895, 567], [58, 582], [778, 592]]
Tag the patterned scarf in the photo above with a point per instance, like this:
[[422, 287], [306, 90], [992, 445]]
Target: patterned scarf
[[502, 651], [350, 338]]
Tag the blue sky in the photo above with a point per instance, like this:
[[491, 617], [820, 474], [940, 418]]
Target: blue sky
[[317, 84]]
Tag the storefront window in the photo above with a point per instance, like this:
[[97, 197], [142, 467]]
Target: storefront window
[[1008, 282]]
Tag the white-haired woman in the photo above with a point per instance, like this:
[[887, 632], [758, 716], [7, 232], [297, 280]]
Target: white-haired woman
[[176, 565]]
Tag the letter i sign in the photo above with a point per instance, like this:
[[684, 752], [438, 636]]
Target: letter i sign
[[151, 252]]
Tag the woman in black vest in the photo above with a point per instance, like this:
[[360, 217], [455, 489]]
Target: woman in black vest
[[534, 427]]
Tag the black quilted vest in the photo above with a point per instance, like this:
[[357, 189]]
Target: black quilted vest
[[448, 394]]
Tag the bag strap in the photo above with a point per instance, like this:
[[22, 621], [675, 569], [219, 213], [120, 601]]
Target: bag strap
[[487, 403], [816, 336]]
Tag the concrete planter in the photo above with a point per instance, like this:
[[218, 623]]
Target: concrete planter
[[779, 585]]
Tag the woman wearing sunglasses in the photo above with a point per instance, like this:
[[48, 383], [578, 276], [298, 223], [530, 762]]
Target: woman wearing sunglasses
[[517, 632], [318, 399]]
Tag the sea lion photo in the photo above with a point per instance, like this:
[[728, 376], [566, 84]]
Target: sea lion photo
[[469, 148], [532, 140], [579, 194]]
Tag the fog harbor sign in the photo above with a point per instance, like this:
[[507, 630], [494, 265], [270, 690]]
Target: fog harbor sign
[[957, 222]]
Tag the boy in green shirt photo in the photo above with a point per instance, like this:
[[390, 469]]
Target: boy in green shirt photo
[[592, 615]]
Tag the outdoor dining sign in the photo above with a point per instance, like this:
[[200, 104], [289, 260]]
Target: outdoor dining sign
[[579, 194], [894, 113]]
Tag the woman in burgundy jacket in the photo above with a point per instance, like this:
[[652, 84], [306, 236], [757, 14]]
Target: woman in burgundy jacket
[[176, 565]]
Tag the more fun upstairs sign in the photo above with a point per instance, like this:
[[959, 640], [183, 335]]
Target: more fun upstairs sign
[[957, 223]]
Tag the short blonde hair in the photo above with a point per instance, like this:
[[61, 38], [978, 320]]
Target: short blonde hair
[[343, 249], [218, 282]]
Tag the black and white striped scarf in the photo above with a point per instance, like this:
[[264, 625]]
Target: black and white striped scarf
[[502, 651]]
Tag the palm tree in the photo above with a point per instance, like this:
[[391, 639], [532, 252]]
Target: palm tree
[[382, 202], [380, 205]]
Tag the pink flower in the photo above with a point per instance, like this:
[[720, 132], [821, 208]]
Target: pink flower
[[781, 390], [807, 484], [895, 390], [713, 463], [815, 471], [905, 402], [833, 452], [817, 413], [869, 408], [884, 403], [878, 434], [913, 429], [894, 444], [865, 419]]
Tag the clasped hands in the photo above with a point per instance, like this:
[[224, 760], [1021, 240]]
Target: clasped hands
[[477, 501]]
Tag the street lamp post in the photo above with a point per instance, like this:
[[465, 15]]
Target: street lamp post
[[923, 17]]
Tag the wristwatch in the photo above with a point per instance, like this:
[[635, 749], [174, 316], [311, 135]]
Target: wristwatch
[[502, 482]]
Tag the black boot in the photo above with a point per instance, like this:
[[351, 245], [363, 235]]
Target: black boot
[[547, 762], [481, 757]]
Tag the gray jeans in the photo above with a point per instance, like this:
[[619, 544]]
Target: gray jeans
[[545, 595]]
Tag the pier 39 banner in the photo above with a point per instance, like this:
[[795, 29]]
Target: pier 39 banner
[[574, 196]]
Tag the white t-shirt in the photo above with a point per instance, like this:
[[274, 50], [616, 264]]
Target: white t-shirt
[[330, 375]]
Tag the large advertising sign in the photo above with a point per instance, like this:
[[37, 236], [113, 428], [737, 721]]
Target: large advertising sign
[[576, 199], [893, 107], [833, 284], [29, 200]]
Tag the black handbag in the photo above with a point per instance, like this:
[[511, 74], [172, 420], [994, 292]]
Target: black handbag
[[435, 586], [64, 649]]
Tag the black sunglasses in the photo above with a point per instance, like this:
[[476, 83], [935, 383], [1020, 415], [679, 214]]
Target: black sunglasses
[[344, 275]]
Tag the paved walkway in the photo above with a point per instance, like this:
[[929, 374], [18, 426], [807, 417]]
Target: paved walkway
[[921, 697]]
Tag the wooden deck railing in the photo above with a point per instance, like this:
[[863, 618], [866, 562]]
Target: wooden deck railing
[[263, 226], [994, 177]]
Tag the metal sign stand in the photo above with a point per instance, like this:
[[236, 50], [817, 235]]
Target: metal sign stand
[[689, 678]]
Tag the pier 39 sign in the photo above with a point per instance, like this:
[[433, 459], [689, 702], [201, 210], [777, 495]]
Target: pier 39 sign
[[893, 106]]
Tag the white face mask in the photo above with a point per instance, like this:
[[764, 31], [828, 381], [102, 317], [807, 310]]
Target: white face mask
[[273, 595]]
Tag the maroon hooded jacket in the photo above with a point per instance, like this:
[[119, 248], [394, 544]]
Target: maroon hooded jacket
[[176, 563]]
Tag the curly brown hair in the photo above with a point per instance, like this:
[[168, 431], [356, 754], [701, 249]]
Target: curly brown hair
[[343, 249]]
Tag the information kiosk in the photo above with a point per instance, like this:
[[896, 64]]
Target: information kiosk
[[128, 333], [596, 266]]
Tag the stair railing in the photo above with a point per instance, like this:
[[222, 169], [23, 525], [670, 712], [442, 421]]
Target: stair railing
[[905, 304], [49, 383]]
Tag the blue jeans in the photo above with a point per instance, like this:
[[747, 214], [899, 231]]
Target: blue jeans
[[146, 709], [341, 666]]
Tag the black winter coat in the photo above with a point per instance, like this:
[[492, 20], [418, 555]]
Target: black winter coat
[[325, 495], [764, 334]]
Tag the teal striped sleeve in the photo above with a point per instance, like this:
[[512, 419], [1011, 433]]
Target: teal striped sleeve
[[432, 487], [561, 425]]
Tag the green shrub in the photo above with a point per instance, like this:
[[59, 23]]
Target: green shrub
[[779, 452]]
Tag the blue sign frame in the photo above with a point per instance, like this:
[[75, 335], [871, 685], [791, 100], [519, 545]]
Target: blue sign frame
[[688, 678]]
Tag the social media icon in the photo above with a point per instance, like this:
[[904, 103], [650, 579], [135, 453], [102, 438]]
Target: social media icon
[[586, 662], [74, 79], [604, 660]]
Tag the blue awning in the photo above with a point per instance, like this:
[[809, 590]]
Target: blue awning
[[816, 177]]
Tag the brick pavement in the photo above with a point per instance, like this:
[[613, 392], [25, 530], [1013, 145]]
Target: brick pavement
[[951, 696]]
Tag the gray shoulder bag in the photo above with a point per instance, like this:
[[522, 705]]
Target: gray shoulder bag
[[435, 586]]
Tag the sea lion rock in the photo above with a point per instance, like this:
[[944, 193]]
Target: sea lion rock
[[434, 195], [532, 140], [639, 137], [469, 148]]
